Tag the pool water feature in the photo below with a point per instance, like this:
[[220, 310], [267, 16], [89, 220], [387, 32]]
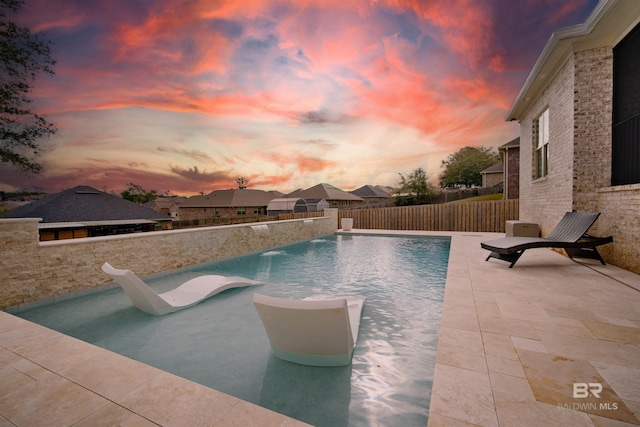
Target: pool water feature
[[221, 342]]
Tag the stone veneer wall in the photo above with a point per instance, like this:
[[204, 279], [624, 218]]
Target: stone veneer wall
[[33, 271]]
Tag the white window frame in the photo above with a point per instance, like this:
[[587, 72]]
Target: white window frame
[[541, 144]]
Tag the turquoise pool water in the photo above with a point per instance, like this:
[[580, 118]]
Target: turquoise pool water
[[221, 343]]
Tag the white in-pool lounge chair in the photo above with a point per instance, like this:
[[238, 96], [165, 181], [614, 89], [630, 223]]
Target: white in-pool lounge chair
[[312, 331], [189, 293]]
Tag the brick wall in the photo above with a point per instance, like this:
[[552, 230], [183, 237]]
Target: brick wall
[[512, 173], [580, 98], [545, 200], [620, 207], [190, 213], [34, 271], [593, 103], [492, 179]]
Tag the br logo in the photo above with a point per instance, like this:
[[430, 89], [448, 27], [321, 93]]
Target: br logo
[[582, 390]]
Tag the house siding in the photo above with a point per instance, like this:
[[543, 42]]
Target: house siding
[[619, 207], [593, 103], [580, 102], [512, 173], [574, 76], [491, 179], [192, 213], [545, 200]]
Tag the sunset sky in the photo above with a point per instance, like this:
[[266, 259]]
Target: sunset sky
[[185, 96]]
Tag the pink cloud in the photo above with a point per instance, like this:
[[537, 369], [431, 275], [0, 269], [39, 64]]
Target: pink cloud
[[303, 164], [222, 84]]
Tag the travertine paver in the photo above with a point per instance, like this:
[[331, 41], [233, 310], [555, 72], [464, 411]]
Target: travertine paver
[[513, 342], [47, 378], [545, 324]]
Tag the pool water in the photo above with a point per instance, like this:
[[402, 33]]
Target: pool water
[[221, 342]]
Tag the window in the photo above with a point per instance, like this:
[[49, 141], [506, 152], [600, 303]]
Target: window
[[625, 155], [242, 211], [541, 140]]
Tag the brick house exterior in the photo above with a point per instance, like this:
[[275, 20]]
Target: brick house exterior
[[336, 197], [573, 80], [493, 175], [227, 203], [510, 155]]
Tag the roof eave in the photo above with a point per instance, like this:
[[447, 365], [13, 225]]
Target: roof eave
[[614, 17]]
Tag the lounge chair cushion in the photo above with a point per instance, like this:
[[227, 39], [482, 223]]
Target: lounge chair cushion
[[312, 331]]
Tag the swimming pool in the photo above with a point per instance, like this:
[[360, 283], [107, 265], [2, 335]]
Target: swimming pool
[[221, 343]]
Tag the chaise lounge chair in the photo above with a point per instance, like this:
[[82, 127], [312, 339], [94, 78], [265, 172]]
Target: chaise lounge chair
[[569, 234], [314, 332], [186, 295]]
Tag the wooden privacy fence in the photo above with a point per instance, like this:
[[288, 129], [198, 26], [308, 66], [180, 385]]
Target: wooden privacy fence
[[487, 216]]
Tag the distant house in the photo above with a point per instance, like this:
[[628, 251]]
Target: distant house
[[510, 156], [86, 212], [505, 173], [167, 205], [493, 175], [374, 195], [316, 205], [227, 203], [285, 205], [579, 115], [334, 196]]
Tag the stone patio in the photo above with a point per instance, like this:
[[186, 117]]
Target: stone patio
[[512, 344], [514, 341]]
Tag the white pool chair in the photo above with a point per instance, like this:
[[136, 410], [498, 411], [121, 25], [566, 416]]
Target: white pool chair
[[312, 331], [186, 295]]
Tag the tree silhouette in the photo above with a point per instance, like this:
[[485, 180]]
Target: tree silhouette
[[464, 166], [22, 57], [242, 182], [139, 195], [414, 189]]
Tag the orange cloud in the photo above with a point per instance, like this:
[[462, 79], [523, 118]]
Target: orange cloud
[[222, 85]]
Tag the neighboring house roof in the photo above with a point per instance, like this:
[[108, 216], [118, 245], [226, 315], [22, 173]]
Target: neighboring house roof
[[371, 191], [165, 202], [316, 204], [285, 204], [497, 168], [324, 191], [84, 204], [608, 23], [231, 198], [514, 143]]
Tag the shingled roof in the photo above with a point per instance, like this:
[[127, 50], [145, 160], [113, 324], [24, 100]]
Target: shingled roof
[[324, 191], [511, 144], [372, 191], [496, 168], [84, 204], [231, 198]]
